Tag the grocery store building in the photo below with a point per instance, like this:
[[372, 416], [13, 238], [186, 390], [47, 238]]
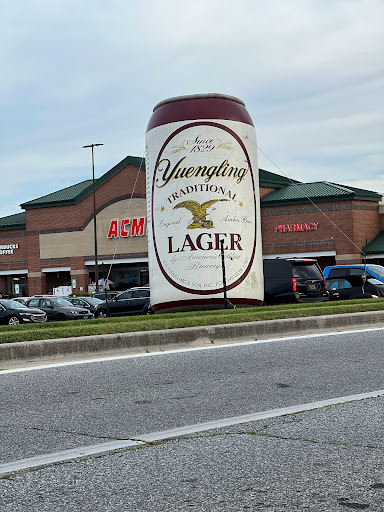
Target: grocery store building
[[50, 243]]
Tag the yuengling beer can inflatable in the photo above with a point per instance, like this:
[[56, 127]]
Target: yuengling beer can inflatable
[[202, 189]]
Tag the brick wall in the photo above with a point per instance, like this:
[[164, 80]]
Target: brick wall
[[341, 226], [365, 224], [19, 258], [265, 190], [381, 221]]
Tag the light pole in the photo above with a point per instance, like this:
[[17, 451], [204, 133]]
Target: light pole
[[94, 212]]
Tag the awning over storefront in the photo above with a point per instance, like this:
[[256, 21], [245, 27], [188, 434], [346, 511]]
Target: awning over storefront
[[318, 254], [55, 269], [375, 248], [12, 272], [117, 261]]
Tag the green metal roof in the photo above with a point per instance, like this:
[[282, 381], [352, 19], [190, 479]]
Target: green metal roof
[[319, 191], [272, 180], [74, 193], [68, 195], [15, 221], [376, 246]]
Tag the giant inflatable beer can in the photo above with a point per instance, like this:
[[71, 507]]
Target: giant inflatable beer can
[[202, 189]]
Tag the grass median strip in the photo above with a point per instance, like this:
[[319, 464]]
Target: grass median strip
[[52, 330]]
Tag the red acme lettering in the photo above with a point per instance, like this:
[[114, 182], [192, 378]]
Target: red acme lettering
[[113, 231], [121, 228], [123, 232], [138, 226]]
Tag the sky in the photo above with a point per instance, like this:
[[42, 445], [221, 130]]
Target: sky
[[311, 74]]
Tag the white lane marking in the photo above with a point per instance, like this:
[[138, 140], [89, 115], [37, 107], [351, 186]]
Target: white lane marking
[[180, 350], [88, 451], [246, 418], [65, 455]]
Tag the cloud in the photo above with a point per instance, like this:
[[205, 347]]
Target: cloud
[[73, 73]]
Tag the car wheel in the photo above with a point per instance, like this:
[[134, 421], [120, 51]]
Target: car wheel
[[61, 317], [101, 313], [13, 320]]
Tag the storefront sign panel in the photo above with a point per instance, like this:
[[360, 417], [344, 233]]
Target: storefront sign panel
[[127, 227], [8, 248]]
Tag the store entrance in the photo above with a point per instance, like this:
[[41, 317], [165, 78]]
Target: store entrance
[[122, 276], [15, 286], [55, 280]]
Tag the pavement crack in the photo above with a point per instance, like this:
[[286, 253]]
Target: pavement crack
[[285, 438], [326, 443], [74, 432], [314, 441]]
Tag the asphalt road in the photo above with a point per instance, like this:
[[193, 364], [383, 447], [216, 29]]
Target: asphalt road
[[326, 459]]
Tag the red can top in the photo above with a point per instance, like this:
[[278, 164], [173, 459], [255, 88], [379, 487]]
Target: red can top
[[199, 106]]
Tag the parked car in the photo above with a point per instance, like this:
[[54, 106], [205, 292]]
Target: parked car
[[131, 302], [374, 271], [14, 313], [57, 308], [101, 295], [22, 300], [354, 287], [293, 280], [85, 302]]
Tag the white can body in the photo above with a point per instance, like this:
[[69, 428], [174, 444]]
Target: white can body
[[203, 188]]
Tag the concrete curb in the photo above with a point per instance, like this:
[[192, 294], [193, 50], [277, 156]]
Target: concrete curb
[[27, 350]]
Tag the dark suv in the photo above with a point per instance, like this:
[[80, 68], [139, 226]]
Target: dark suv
[[293, 280], [131, 302]]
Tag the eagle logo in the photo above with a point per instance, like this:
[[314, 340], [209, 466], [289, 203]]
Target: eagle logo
[[199, 212]]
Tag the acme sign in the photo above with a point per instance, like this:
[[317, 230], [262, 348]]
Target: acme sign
[[127, 227], [289, 228]]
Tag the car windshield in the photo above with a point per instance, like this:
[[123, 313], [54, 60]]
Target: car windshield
[[94, 301], [124, 295], [377, 269], [13, 304], [60, 302]]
